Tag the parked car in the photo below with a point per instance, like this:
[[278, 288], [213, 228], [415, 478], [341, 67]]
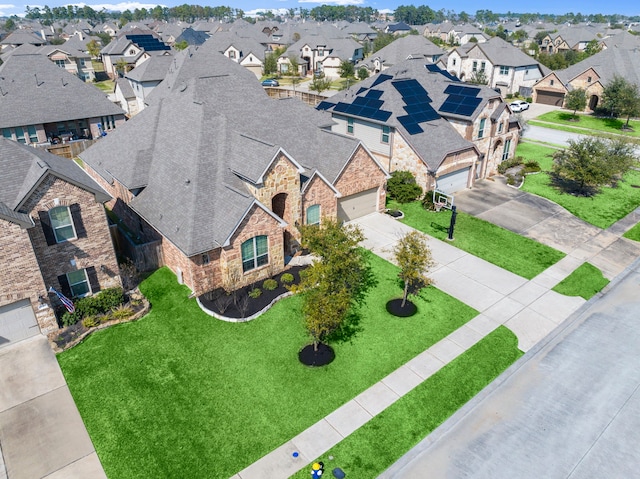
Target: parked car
[[270, 82], [519, 105]]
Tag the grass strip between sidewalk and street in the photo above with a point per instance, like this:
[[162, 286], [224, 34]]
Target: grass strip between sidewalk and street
[[633, 233], [506, 249], [601, 210], [586, 281], [181, 394], [587, 124], [379, 443]]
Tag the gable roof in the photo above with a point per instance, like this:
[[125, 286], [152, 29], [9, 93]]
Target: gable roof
[[415, 46], [21, 37], [24, 168], [607, 63], [211, 130], [155, 68], [35, 90], [500, 52]]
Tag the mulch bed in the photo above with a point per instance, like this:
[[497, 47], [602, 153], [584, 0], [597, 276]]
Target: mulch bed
[[394, 307], [244, 306], [310, 357]]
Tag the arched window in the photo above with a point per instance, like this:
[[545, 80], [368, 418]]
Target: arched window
[[62, 223], [255, 253], [313, 215]]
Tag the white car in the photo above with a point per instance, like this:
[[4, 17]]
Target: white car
[[519, 105]]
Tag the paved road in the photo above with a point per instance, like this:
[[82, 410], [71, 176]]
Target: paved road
[[570, 408], [548, 135]]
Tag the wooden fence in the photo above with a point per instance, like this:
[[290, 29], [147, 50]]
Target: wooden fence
[[71, 149], [144, 256], [309, 98]]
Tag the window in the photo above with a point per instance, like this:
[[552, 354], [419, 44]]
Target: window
[[320, 52], [453, 62], [500, 127], [60, 63], [81, 61], [255, 253], [78, 283], [481, 127], [33, 134], [313, 215], [504, 70], [350, 126], [475, 66], [551, 82], [62, 224], [588, 79], [205, 259], [20, 134], [6, 133], [505, 153], [108, 122], [482, 66], [385, 134], [232, 54]]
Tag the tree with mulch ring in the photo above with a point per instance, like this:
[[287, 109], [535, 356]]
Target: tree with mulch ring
[[333, 286], [413, 257]]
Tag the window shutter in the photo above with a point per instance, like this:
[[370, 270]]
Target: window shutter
[[92, 274], [81, 232], [64, 285], [45, 221]]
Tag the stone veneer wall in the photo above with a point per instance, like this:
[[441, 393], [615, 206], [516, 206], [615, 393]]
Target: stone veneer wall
[[199, 277], [405, 159], [319, 193], [362, 173], [96, 249], [21, 277]]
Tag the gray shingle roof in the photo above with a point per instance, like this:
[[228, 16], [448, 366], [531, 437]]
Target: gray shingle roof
[[21, 37], [399, 50], [607, 63], [154, 68], [35, 90], [500, 52], [24, 167]]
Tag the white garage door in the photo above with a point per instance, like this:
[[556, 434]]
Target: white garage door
[[17, 322], [354, 206], [455, 181]]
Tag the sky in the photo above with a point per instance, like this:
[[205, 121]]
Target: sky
[[624, 7]]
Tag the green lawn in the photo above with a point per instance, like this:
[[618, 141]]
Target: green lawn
[[106, 86], [585, 281], [601, 210], [181, 394], [604, 125], [384, 439], [522, 256], [633, 233]]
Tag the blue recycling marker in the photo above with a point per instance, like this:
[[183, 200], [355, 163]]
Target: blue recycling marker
[[295, 454]]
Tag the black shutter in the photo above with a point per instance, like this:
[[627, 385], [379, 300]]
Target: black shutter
[[92, 274], [64, 285], [45, 221], [81, 232]]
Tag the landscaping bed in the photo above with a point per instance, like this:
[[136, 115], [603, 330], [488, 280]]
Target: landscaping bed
[[243, 303], [180, 394]]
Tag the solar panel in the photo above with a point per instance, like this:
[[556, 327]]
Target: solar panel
[[341, 107], [376, 94], [411, 126], [432, 68], [361, 90], [381, 79], [324, 105], [453, 89]]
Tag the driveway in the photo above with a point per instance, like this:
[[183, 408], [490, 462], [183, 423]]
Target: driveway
[[41, 432], [548, 223]]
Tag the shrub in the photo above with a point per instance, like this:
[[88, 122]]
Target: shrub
[[427, 201], [121, 312], [529, 99], [531, 166], [255, 293], [90, 322], [286, 278], [509, 96], [511, 180], [94, 305], [402, 187], [505, 165], [270, 284]]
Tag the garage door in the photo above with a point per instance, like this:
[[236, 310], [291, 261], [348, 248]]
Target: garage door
[[354, 206], [455, 181], [17, 322], [550, 97]]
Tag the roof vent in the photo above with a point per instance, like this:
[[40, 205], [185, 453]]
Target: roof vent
[[187, 182], [182, 87]]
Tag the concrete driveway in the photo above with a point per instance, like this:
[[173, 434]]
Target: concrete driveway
[[41, 432], [548, 223]]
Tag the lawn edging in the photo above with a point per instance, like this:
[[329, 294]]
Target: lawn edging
[[248, 318]]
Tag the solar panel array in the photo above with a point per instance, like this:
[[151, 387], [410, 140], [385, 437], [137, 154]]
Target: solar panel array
[[148, 43], [381, 79], [368, 106], [462, 100], [417, 105], [436, 69], [324, 105]]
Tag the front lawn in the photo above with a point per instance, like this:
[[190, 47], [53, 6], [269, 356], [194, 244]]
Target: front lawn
[[602, 210], [181, 394], [522, 256], [585, 281], [384, 439], [106, 86], [604, 125]]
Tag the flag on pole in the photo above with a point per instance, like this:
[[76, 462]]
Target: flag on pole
[[66, 301]]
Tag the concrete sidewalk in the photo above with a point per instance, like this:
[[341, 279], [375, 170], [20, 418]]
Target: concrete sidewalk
[[41, 432]]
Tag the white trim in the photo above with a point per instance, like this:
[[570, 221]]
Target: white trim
[[321, 176], [283, 151], [282, 223]]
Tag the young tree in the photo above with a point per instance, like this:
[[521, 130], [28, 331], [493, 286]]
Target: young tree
[[413, 257], [320, 84], [630, 104], [613, 95], [591, 162], [335, 283], [294, 64], [346, 70], [181, 45], [576, 100], [479, 77], [93, 48]]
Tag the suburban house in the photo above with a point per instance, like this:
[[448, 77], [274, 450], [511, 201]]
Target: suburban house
[[411, 46], [40, 101], [591, 74], [244, 50], [497, 64], [53, 233], [399, 28], [74, 61], [417, 117], [316, 53], [569, 38], [21, 37], [222, 174], [144, 78], [131, 48]]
